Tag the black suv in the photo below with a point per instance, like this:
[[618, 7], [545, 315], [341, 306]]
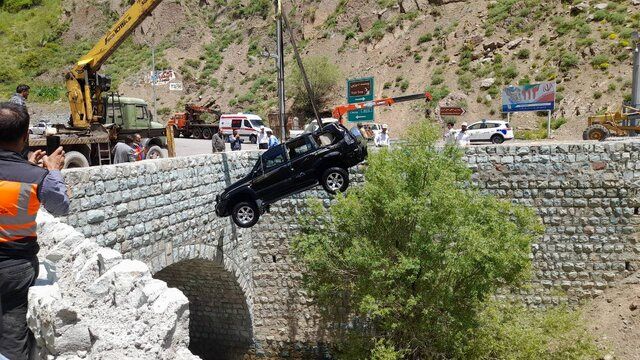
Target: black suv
[[299, 164]]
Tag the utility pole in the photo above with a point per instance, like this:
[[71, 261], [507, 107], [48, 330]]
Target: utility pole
[[635, 85], [280, 60], [153, 79]]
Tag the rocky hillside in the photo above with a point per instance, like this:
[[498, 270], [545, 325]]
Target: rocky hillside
[[461, 51]]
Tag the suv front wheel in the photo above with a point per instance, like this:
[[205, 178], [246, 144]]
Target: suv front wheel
[[245, 214], [335, 180]]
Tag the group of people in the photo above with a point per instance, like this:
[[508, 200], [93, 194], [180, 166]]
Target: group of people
[[457, 137], [265, 140], [131, 150], [381, 139]]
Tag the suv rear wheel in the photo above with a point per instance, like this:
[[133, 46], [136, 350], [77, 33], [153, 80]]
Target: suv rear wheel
[[335, 180], [245, 214], [497, 139]]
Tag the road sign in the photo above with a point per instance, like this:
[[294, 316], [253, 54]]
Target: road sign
[[451, 111], [359, 90], [361, 115]]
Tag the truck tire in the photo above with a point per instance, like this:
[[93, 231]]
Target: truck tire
[[245, 214], [597, 132], [197, 133], [253, 139], [186, 134], [335, 180], [155, 152], [75, 159], [206, 133], [176, 132]]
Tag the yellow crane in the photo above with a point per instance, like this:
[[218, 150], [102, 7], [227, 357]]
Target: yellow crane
[[84, 85]]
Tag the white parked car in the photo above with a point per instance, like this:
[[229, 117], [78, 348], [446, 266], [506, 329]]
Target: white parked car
[[40, 128], [494, 131]]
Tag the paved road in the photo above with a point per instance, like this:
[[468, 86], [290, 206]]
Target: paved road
[[187, 147]]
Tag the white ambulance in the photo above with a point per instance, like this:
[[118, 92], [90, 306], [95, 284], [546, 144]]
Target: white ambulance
[[248, 125]]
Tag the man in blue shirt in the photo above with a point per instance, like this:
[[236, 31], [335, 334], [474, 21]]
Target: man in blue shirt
[[273, 140], [236, 142], [24, 187]]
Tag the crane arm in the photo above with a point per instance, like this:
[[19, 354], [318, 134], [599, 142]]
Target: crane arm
[[84, 85], [116, 35], [339, 111]]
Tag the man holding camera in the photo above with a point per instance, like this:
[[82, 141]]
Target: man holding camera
[[24, 186]]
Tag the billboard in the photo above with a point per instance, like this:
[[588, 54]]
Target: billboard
[[531, 97], [161, 77]]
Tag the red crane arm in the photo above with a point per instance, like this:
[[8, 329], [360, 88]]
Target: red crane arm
[[339, 111]]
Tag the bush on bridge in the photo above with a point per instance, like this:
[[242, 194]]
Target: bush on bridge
[[405, 264]]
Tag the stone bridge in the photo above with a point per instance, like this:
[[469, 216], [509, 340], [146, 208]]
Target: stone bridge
[[243, 286]]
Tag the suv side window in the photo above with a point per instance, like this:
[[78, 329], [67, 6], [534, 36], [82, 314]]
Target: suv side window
[[273, 157], [475, 126], [300, 147], [247, 124], [236, 123]]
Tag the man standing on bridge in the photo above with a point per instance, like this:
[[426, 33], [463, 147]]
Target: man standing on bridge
[[21, 95], [24, 186]]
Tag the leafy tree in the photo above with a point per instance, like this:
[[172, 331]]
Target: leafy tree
[[406, 261], [323, 76]]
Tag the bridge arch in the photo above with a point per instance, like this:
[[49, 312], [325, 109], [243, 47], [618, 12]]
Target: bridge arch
[[220, 311]]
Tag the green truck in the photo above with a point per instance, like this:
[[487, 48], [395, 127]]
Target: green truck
[[120, 117]]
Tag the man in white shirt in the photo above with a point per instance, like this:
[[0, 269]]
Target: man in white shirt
[[449, 134], [382, 139], [462, 138], [263, 139]]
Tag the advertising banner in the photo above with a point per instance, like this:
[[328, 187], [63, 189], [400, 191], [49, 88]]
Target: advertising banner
[[531, 97]]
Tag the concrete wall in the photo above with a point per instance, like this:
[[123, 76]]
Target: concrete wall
[[161, 213]]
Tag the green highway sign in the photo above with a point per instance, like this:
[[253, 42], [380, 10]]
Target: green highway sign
[[361, 115], [359, 90]]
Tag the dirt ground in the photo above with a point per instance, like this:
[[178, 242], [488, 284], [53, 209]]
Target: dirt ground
[[614, 319]]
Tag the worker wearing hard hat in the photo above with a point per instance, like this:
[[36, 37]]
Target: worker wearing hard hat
[[382, 139], [462, 137], [23, 187]]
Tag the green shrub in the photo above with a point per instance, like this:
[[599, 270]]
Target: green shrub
[[163, 111], [600, 62], [17, 5], [193, 63], [404, 85], [510, 73], [413, 253], [597, 95], [376, 32], [509, 331], [323, 76], [523, 54], [464, 81], [568, 60], [425, 38]]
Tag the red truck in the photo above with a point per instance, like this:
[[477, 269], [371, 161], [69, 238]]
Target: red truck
[[189, 123]]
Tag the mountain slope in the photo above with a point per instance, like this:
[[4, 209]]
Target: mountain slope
[[447, 47]]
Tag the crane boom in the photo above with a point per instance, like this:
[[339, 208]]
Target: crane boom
[[84, 85], [339, 111]]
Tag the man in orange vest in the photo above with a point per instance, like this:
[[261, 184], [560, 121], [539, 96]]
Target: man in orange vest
[[24, 186]]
